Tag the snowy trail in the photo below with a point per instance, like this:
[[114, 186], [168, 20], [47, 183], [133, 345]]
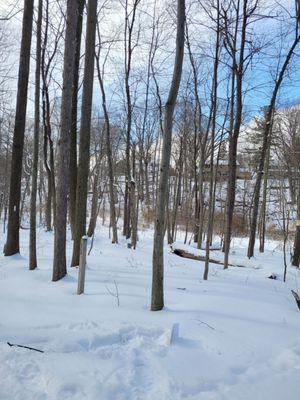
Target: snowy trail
[[237, 338]]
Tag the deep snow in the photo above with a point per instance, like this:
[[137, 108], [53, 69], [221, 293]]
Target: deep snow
[[236, 335]]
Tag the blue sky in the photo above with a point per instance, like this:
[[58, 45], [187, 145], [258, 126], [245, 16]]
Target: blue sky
[[258, 76]]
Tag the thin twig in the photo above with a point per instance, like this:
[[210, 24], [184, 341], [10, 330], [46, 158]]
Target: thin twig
[[24, 347], [116, 294], [204, 323]]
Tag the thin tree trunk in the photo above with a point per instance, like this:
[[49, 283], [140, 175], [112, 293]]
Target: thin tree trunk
[[214, 94], [73, 149], [32, 239], [133, 203], [85, 131], [48, 142], [157, 300], [266, 140], [198, 177], [262, 234], [238, 70], [129, 47], [59, 262], [47, 138], [112, 199], [40, 191], [177, 193]]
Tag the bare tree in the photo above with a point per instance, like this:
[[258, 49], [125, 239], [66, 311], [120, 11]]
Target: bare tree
[[85, 131], [73, 151], [157, 299], [12, 242], [266, 141], [236, 47], [214, 93], [130, 19], [59, 262], [49, 59], [100, 72], [32, 242]]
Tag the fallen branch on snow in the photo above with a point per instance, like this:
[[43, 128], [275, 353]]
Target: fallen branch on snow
[[206, 324], [186, 254], [24, 347]]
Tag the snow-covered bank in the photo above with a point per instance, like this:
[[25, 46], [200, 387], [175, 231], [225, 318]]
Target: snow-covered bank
[[237, 338]]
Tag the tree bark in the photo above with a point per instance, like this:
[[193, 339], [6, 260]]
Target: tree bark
[[129, 47], [157, 300], [262, 233], [59, 262], [112, 199], [85, 131], [214, 93], [238, 74], [32, 239], [133, 203], [177, 190], [12, 245], [73, 149], [48, 141]]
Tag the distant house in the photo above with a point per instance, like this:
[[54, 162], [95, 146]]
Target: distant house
[[222, 172]]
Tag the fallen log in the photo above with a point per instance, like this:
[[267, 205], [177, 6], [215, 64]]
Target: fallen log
[[186, 254]]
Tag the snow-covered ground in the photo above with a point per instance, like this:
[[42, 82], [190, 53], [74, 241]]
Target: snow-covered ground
[[235, 336]]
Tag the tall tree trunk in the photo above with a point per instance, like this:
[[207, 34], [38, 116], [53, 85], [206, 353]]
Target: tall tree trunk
[[48, 141], [198, 137], [262, 233], [201, 207], [73, 149], [177, 194], [266, 139], [59, 262], [214, 100], [40, 191], [32, 239], [85, 131], [157, 300], [113, 218], [238, 71], [133, 203], [129, 47], [47, 138], [12, 245]]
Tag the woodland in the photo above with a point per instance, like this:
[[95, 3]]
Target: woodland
[[159, 136]]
